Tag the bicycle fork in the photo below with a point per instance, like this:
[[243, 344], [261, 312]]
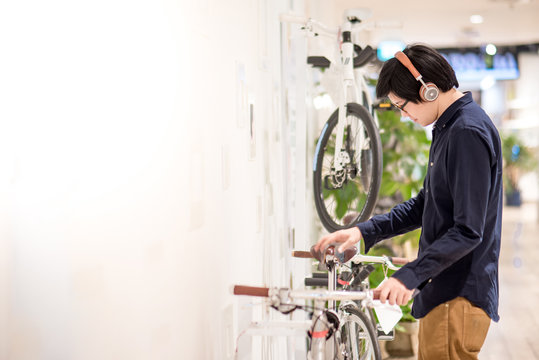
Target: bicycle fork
[[342, 158]]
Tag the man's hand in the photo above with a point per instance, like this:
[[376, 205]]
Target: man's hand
[[347, 238], [394, 290]]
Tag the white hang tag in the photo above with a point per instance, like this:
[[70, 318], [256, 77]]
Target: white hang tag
[[388, 315]]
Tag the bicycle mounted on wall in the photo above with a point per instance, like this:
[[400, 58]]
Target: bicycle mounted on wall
[[347, 167]]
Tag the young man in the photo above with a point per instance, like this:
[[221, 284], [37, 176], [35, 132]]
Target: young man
[[459, 210]]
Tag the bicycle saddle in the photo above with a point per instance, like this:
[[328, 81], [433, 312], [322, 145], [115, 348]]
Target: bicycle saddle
[[343, 257], [357, 15]]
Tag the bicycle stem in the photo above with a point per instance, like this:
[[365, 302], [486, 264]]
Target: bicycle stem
[[332, 284]]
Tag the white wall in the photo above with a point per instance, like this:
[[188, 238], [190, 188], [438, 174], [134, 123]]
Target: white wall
[[130, 199]]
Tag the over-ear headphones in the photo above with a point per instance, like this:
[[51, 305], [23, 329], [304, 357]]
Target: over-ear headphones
[[428, 91]]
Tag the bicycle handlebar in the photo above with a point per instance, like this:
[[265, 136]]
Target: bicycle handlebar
[[298, 19], [306, 294], [399, 260], [302, 254], [388, 260], [316, 282], [293, 18], [250, 290]]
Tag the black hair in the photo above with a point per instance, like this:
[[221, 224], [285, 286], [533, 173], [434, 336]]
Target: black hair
[[396, 78]]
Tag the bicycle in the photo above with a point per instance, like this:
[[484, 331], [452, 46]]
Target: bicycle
[[347, 167], [345, 332], [352, 273]]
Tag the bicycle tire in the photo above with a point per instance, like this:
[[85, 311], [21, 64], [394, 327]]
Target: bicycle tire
[[352, 200], [358, 336]]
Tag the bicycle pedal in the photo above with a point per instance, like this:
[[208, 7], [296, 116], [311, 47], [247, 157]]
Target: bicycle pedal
[[383, 336]]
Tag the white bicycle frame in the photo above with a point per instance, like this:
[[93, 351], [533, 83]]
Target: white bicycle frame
[[283, 298], [360, 258], [352, 86]]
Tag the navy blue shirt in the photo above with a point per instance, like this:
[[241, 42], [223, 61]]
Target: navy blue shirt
[[459, 210]]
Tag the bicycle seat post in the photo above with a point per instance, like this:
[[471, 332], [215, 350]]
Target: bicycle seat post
[[332, 281]]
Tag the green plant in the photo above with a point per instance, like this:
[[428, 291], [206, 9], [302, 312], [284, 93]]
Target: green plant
[[378, 275], [518, 159], [406, 154], [407, 312], [349, 192]]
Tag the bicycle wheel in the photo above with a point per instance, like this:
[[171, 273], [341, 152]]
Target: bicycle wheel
[[358, 336], [344, 198]]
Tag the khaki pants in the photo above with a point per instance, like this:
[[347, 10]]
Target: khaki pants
[[453, 330]]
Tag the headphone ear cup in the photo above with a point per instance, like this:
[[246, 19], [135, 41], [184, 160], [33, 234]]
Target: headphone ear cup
[[429, 92]]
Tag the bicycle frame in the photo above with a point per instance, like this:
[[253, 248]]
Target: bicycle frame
[[283, 300], [387, 261], [351, 88], [333, 266]]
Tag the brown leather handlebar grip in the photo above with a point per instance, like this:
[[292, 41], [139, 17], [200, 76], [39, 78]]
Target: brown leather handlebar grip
[[399, 260], [251, 290], [348, 254], [302, 254]]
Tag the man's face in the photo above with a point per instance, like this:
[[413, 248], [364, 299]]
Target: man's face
[[423, 113]]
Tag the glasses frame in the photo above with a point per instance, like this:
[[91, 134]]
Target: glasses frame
[[401, 107]]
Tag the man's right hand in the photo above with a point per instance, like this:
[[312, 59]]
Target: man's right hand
[[347, 238]]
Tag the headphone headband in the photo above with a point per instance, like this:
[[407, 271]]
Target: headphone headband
[[427, 92], [405, 60]]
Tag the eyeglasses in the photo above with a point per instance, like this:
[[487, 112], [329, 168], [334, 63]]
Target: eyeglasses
[[401, 107]]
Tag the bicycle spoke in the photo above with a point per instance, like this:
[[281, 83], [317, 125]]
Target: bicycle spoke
[[348, 196]]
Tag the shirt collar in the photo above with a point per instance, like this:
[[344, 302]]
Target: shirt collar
[[448, 114]]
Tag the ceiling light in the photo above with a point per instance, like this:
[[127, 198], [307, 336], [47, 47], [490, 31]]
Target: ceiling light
[[388, 48], [491, 49], [476, 19]]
